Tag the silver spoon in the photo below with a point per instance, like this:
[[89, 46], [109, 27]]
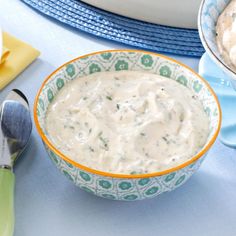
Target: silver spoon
[[15, 130]]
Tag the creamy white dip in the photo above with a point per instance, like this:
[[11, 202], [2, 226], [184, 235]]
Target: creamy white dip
[[226, 34], [127, 122]]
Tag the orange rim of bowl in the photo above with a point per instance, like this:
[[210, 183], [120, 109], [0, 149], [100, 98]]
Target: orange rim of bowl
[[107, 174]]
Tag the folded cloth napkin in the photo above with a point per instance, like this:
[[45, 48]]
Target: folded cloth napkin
[[5, 54], [16, 56]]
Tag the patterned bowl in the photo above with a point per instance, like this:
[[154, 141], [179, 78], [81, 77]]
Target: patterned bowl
[[208, 15], [120, 186]]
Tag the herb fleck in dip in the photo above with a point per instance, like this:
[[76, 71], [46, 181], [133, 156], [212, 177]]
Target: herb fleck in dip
[[127, 122]]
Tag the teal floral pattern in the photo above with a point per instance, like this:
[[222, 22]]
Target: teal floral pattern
[[106, 56], [131, 188], [131, 197], [93, 68], [197, 86], [70, 69], [105, 184], [87, 189], [60, 83], [180, 180], [169, 177], [50, 95], [67, 175], [125, 185], [68, 164], [182, 80], [165, 71], [41, 103], [152, 190], [54, 158], [121, 65], [147, 60], [85, 176], [143, 182]]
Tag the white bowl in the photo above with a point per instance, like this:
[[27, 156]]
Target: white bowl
[[120, 186], [155, 11], [208, 15]]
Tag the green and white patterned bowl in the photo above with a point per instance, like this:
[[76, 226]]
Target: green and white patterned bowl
[[208, 15], [119, 186]]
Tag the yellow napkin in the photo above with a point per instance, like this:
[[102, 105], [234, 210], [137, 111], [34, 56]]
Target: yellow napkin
[[5, 54], [16, 56]]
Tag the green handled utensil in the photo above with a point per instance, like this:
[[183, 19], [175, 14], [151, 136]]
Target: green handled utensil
[[15, 130]]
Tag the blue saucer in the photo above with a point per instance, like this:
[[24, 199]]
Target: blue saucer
[[227, 97]]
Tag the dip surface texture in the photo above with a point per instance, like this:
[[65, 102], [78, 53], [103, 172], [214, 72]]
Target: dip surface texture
[[127, 122], [226, 35]]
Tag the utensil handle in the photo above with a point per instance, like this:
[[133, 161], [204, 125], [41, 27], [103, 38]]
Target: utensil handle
[[7, 219]]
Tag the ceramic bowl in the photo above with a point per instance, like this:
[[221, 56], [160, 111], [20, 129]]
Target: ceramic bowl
[[155, 11], [119, 186], [208, 15]]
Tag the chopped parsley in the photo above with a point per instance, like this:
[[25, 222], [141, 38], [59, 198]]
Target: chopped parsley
[[104, 141], [109, 98]]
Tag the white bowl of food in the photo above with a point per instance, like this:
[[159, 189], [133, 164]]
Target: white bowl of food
[[126, 124], [216, 24]]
